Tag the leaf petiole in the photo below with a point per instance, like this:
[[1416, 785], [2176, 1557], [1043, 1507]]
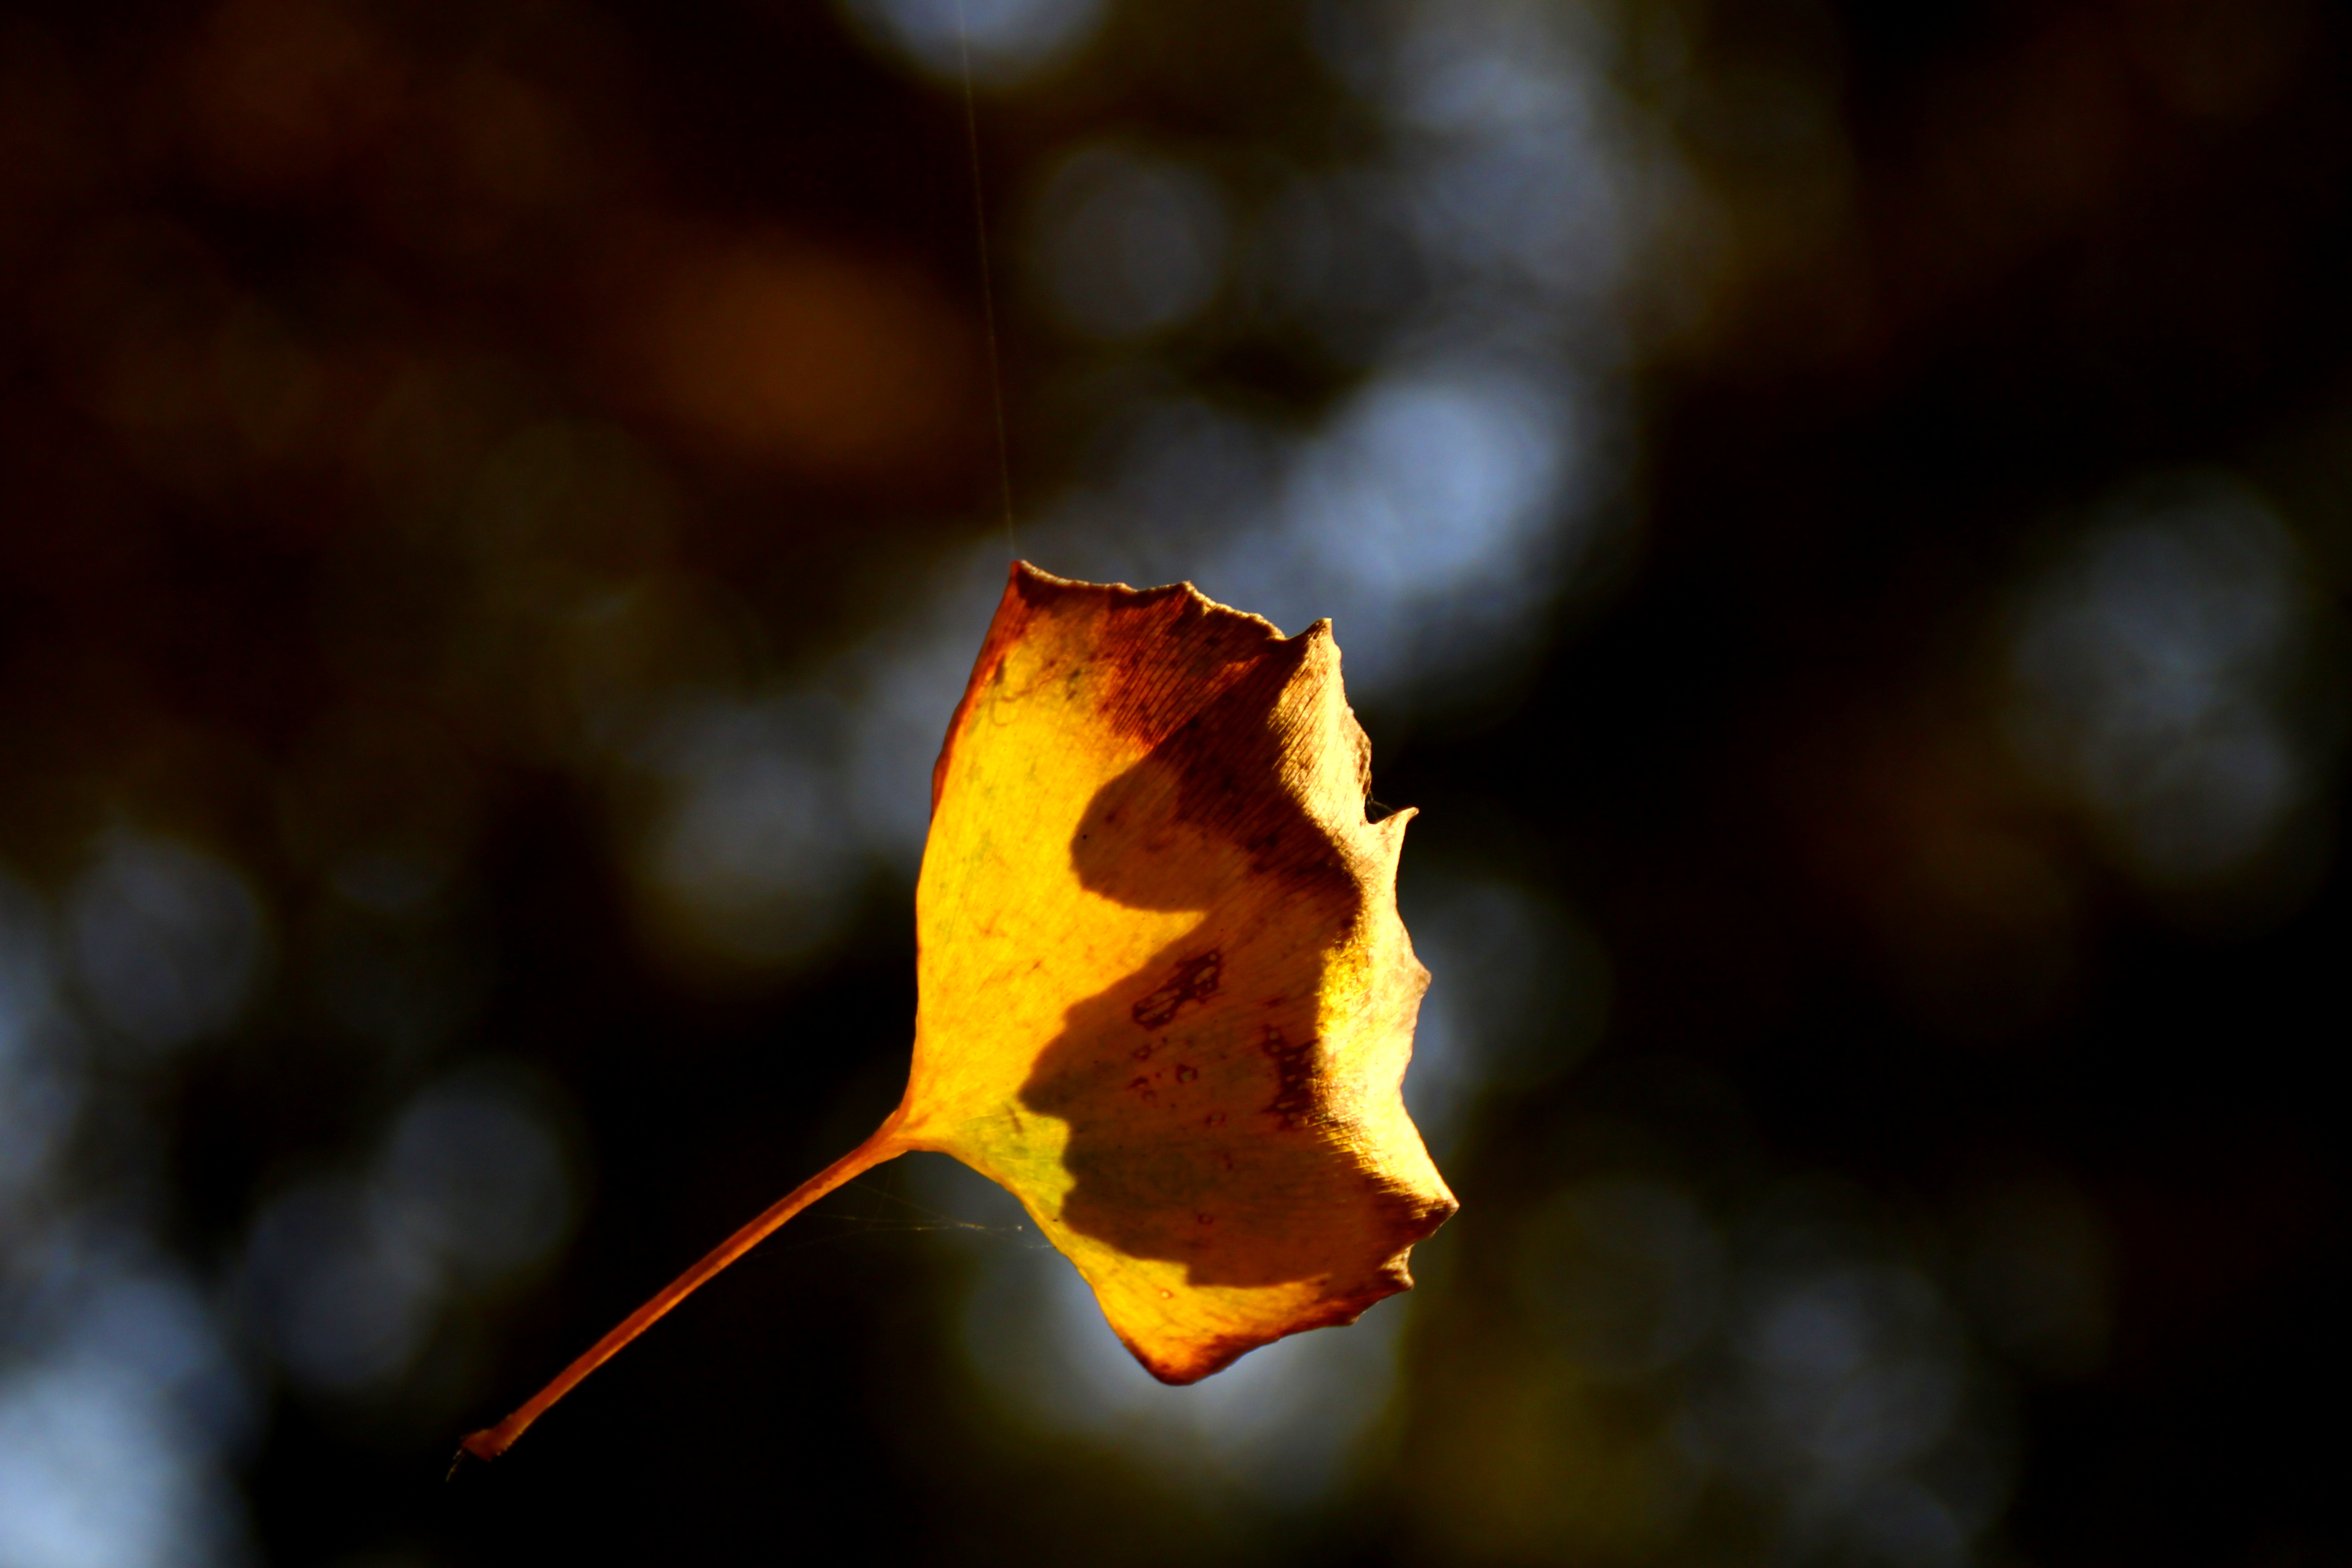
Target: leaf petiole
[[882, 1146]]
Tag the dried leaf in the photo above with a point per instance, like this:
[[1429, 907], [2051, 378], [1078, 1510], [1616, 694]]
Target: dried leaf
[[1165, 997]]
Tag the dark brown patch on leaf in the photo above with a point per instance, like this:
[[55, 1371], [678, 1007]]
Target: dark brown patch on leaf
[[1294, 1074], [1194, 979]]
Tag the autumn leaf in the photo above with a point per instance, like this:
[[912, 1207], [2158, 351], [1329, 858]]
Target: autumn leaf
[[1164, 996]]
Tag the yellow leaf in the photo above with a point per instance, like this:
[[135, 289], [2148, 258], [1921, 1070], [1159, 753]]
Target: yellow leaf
[[1165, 997]]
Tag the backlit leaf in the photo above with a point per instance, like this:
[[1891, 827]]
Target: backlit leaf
[[1165, 998]]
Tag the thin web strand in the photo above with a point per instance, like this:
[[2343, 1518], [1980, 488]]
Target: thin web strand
[[987, 281], [917, 1218]]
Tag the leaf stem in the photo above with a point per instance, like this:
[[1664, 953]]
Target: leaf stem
[[883, 1145]]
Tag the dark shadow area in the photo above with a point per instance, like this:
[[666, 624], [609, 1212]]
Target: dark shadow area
[[1190, 1087]]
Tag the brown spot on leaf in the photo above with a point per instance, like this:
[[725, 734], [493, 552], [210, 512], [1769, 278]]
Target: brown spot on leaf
[[1294, 1067], [1194, 980]]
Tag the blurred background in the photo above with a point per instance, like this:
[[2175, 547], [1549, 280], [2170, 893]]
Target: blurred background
[[1838, 513]]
